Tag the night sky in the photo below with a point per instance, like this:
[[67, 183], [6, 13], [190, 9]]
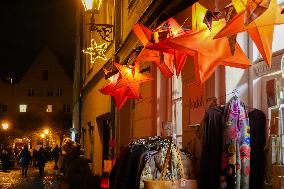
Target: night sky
[[29, 25]]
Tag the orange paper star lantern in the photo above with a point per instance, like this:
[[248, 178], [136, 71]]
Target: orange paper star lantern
[[131, 78], [207, 52], [148, 37], [180, 56], [260, 30]]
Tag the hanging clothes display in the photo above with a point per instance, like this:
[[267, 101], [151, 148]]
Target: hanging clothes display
[[257, 122], [232, 147], [210, 169], [142, 161]]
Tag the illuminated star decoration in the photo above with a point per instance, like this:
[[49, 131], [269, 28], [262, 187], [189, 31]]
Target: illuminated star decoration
[[207, 52], [260, 30], [96, 51], [120, 94], [149, 37], [131, 78]]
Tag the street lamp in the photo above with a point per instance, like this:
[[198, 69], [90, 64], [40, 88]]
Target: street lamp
[[46, 131], [5, 126], [42, 135], [92, 5]]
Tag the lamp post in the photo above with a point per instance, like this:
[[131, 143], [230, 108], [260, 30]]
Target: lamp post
[[42, 136]]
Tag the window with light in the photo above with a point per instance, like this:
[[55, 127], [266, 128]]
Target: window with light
[[23, 108]]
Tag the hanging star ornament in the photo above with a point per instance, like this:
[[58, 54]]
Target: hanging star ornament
[[164, 61], [260, 30], [121, 95], [96, 51], [207, 53], [131, 78]]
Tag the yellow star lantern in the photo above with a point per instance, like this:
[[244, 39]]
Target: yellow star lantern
[[96, 51], [260, 30]]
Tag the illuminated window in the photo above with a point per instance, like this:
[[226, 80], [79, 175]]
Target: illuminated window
[[23, 108], [49, 108]]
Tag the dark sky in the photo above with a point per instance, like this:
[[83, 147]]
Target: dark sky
[[29, 25]]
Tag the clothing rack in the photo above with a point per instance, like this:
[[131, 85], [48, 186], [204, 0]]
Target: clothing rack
[[235, 92]]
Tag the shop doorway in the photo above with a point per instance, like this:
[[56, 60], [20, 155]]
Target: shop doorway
[[106, 132]]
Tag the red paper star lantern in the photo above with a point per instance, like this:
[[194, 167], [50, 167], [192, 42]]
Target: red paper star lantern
[[131, 78], [120, 94], [148, 37]]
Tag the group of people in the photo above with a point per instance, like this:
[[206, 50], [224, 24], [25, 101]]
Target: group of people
[[73, 168], [37, 159]]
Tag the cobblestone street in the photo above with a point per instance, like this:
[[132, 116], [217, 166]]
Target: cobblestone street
[[14, 179]]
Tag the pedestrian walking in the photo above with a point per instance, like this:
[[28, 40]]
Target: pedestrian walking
[[5, 160], [55, 154], [25, 158], [41, 161], [34, 157], [75, 168]]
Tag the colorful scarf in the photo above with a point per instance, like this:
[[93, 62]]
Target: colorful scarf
[[236, 147]]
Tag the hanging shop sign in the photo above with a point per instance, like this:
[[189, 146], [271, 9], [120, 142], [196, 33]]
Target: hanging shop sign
[[262, 68], [196, 104]]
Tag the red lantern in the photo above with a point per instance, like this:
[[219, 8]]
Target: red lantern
[[104, 183]]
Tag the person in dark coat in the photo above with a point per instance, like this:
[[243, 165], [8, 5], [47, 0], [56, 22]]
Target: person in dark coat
[[5, 160], [25, 158], [40, 161], [75, 168], [55, 154]]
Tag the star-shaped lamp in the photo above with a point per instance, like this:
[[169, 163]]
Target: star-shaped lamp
[[120, 94], [131, 78], [207, 52], [260, 30], [149, 37], [96, 51]]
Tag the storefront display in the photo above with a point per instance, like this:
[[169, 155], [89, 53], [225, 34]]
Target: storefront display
[[233, 135], [144, 159]]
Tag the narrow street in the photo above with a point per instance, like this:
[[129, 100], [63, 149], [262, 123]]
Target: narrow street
[[14, 179]]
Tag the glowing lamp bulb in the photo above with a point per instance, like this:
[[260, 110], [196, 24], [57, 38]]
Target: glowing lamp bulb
[[5, 126], [42, 135]]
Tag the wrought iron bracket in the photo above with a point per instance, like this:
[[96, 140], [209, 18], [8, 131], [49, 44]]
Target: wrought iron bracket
[[104, 30]]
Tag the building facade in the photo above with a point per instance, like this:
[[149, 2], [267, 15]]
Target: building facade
[[103, 129], [42, 99]]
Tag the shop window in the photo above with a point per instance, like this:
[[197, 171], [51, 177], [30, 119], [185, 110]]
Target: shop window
[[23, 108], [31, 92], [177, 108]]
